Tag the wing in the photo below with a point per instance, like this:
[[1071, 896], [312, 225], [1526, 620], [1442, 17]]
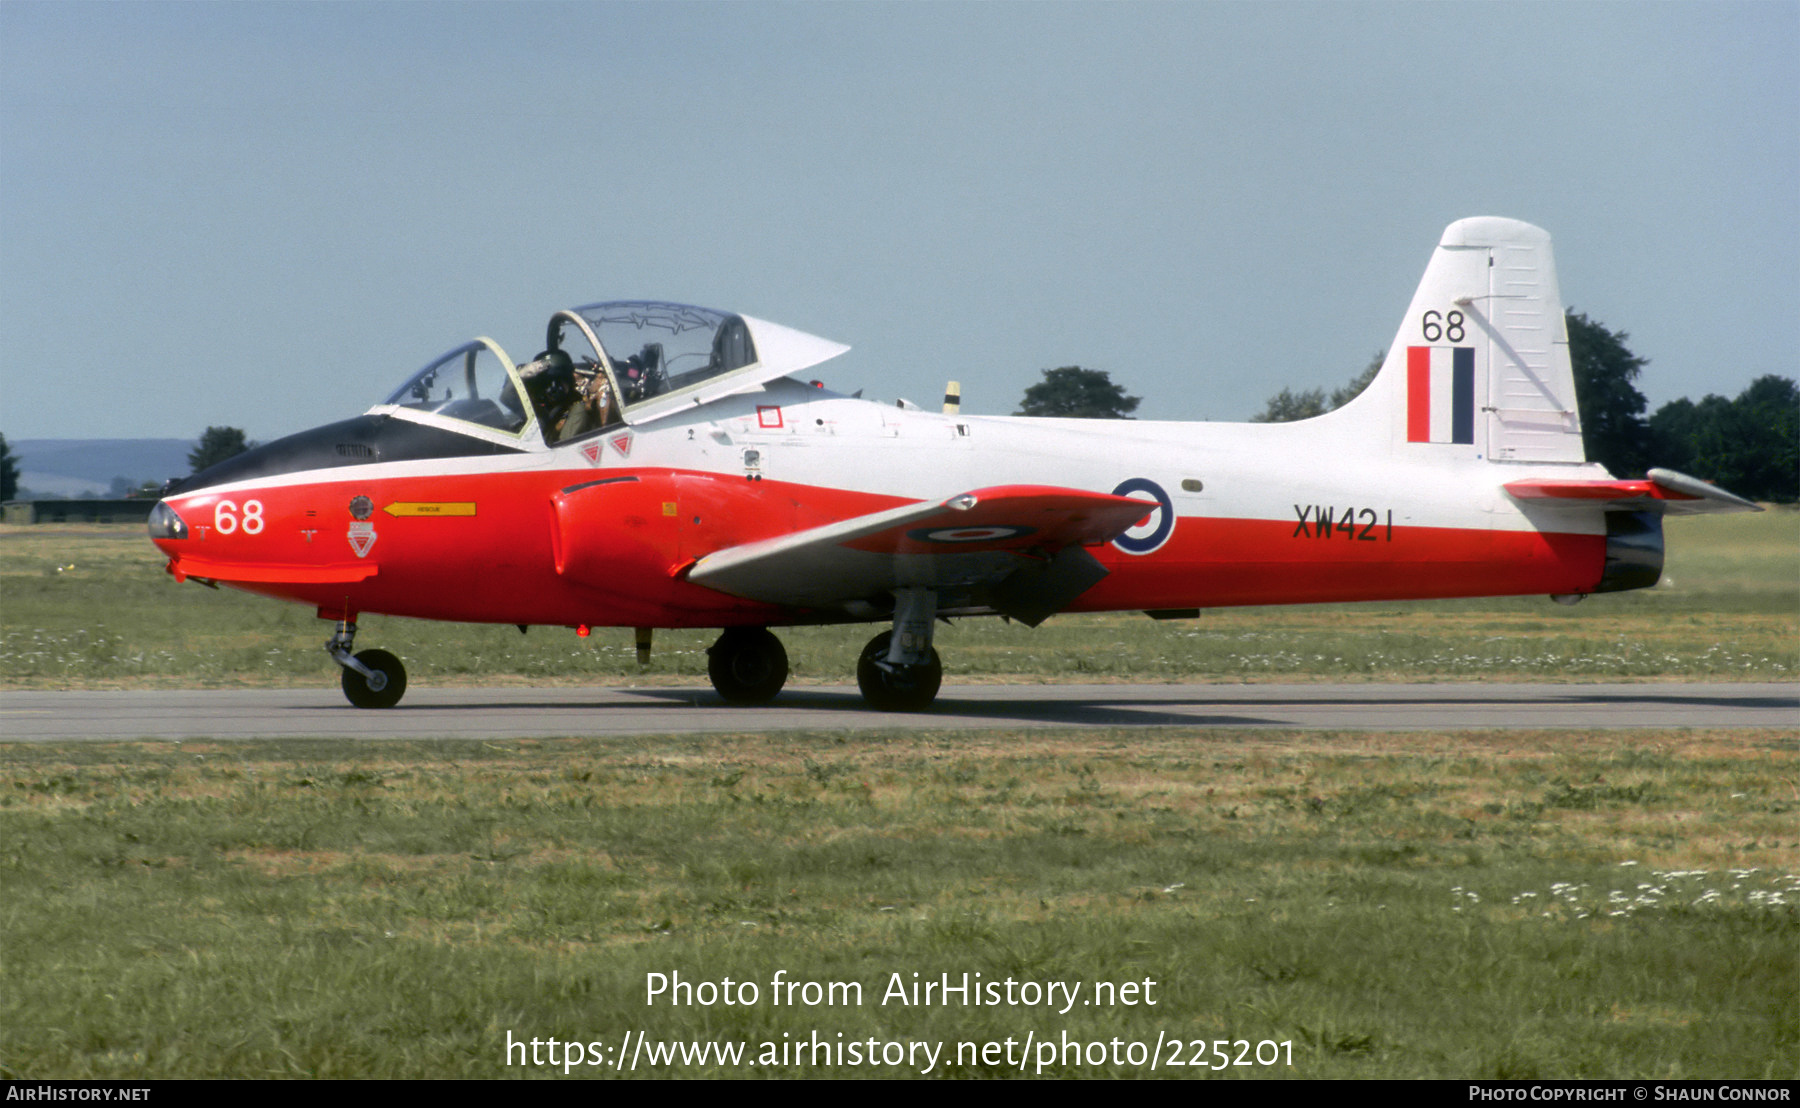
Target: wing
[[1013, 548], [1662, 490]]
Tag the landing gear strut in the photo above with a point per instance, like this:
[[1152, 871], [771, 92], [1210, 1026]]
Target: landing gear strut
[[373, 678], [899, 670], [748, 665]]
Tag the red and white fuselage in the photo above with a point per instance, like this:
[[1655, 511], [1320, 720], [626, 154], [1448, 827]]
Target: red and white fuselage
[[731, 494]]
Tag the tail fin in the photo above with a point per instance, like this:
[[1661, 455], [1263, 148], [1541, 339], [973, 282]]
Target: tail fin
[[1481, 363]]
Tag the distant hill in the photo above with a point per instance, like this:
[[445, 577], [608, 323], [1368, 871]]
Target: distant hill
[[79, 467]]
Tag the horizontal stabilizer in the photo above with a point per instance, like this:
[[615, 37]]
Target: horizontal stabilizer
[[970, 541], [1662, 490]]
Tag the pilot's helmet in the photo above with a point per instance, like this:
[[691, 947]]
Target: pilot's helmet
[[550, 378]]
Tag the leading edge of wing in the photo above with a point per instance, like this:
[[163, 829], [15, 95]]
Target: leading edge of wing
[[963, 540], [1661, 490]]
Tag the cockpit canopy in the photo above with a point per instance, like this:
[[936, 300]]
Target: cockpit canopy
[[628, 361], [656, 349]]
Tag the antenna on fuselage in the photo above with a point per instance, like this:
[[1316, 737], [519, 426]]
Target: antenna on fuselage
[[953, 398]]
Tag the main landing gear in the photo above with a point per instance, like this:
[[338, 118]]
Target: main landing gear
[[899, 670], [890, 687], [373, 678], [748, 665]]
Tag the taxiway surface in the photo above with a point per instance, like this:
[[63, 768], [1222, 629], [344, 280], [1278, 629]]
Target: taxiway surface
[[476, 713]]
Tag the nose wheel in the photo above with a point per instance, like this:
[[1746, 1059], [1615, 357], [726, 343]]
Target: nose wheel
[[371, 678], [384, 684], [748, 665]]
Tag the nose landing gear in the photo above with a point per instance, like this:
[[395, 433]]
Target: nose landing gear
[[372, 678]]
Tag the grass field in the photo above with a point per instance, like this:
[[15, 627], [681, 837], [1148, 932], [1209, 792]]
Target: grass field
[[91, 607], [1501, 904], [1476, 905]]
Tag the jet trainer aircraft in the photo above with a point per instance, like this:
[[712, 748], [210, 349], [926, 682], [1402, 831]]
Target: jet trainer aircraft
[[660, 465]]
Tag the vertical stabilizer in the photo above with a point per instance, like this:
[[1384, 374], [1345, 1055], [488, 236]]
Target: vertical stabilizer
[[1480, 367]]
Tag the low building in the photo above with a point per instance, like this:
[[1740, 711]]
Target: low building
[[78, 511]]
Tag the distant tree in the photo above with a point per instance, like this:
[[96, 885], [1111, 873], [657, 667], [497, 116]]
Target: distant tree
[[1287, 405], [1077, 393], [1769, 414], [9, 471], [1750, 445], [1358, 383], [216, 445], [1692, 437], [1613, 428]]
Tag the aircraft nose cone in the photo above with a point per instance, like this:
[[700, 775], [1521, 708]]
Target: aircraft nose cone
[[166, 523]]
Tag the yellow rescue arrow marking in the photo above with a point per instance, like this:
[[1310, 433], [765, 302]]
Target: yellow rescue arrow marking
[[419, 508]]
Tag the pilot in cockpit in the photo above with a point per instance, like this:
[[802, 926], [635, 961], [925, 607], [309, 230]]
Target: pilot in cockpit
[[593, 407], [570, 399]]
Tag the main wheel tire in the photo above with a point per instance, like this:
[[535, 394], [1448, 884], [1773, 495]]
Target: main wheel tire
[[748, 665], [911, 689], [363, 693]]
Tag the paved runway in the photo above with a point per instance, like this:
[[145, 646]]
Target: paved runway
[[514, 712]]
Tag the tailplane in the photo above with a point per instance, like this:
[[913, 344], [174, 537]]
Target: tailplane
[[1662, 491]]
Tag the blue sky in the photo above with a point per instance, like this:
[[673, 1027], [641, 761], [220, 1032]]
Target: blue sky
[[266, 215]]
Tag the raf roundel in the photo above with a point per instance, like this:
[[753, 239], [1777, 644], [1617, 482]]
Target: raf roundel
[[967, 534], [1156, 528]]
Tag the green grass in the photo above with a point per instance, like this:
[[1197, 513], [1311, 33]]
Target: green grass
[[1479, 905], [1608, 904], [91, 607]]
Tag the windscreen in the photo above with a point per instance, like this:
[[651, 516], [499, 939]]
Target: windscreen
[[471, 384]]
